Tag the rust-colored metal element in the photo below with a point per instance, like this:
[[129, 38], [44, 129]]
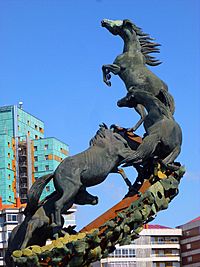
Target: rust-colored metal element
[[112, 212]]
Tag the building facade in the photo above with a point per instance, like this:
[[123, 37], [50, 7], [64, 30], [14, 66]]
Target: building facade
[[190, 243], [157, 246], [25, 155]]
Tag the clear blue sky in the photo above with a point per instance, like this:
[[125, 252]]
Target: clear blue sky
[[51, 53]]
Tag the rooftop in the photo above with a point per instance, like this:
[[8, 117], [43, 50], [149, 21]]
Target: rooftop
[[156, 226], [195, 220]]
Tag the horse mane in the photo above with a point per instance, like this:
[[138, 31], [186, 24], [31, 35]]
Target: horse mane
[[147, 46], [100, 136]]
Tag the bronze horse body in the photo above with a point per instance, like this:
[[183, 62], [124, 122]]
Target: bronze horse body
[[91, 167], [163, 137], [131, 64]]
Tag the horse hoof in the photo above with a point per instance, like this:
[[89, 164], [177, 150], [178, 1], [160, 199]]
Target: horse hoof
[[95, 201]]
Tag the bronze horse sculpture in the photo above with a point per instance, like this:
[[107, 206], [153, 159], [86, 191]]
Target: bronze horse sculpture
[[131, 64], [88, 168], [163, 136]]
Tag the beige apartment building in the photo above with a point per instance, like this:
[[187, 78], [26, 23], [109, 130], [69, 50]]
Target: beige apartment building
[[157, 246]]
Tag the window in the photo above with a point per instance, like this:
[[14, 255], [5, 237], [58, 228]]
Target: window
[[35, 148], [36, 169], [189, 259], [9, 233], [46, 147], [28, 133], [36, 158], [36, 127], [47, 168], [187, 233], [8, 165], [9, 187], [36, 136], [8, 155], [131, 252], [161, 252], [174, 240], [9, 176], [160, 240], [124, 252], [28, 122], [188, 246], [118, 253], [12, 218], [8, 144], [47, 188], [46, 157]]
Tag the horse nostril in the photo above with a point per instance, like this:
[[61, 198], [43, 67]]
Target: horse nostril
[[103, 23], [119, 104]]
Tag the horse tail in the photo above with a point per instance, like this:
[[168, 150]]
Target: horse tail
[[167, 99], [35, 193]]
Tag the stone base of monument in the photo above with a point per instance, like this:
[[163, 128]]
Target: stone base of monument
[[122, 225]]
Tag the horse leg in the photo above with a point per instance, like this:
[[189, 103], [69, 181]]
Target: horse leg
[[115, 69], [141, 111], [31, 227], [123, 174], [171, 157], [66, 197], [83, 198]]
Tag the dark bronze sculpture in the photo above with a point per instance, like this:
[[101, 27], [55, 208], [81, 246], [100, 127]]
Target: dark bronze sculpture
[[131, 64], [163, 136], [91, 167], [153, 156]]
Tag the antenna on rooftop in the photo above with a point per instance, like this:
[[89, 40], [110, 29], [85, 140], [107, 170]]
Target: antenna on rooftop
[[21, 105]]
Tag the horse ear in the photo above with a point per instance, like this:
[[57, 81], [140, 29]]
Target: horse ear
[[127, 23]]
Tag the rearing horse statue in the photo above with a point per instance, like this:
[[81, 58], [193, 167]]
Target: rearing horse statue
[[131, 64], [75, 173]]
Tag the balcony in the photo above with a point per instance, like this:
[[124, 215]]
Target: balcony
[[164, 242], [23, 186], [23, 164], [22, 154], [23, 175]]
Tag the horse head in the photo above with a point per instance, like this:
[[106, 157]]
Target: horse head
[[121, 146], [119, 27], [127, 101]]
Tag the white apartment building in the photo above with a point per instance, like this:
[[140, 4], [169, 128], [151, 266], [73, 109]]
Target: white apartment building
[[9, 218], [157, 246]]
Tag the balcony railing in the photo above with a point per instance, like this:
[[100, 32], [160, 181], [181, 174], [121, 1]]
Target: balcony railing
[[24, 186], [165, 255], [164, 242]]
